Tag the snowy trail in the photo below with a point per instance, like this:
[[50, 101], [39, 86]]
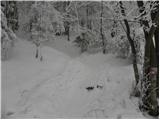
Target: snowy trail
[[56, 87]]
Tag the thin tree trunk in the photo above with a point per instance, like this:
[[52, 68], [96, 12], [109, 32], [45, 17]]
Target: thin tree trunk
[[36, 56], [78, 30], [101, 30], [87, 14], [88, 21], [133, 49], [68, 33], [68, 24]]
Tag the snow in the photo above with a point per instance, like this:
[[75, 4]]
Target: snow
[[56, 87]]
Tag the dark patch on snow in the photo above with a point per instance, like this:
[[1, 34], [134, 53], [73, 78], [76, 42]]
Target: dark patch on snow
[[90, 88], [99, 86]]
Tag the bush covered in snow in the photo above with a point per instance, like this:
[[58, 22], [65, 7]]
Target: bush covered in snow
[[119, 45], [86, 40]]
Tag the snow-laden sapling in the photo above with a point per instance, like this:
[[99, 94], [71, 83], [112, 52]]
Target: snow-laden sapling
[[36, 40]]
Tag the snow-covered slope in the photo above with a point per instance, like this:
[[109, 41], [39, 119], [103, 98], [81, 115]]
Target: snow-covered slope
[[56, 87]]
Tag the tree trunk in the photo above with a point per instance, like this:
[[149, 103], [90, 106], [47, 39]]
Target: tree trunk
[[87, 14], [68, 33], [101, 30], [36, 56], [156, 38], [149, 96], [88, 20], [68, 24], [133, 49], [67, 27]]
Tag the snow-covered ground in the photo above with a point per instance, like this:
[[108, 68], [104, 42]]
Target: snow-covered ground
[[56, 87]]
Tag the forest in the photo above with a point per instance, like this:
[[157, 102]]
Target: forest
[[80, 59]]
